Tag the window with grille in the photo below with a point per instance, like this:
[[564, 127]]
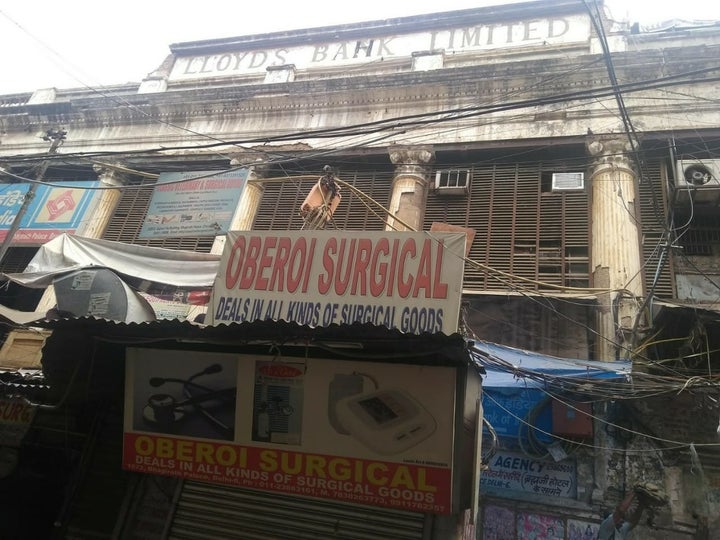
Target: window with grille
[[127, 221], [530, 239], [702, 238], [279, 209]]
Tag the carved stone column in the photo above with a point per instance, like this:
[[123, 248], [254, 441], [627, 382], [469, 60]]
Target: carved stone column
[[616, 260], [251, 197], [253, 192], [247, 207], [410, 186], [109, 177]]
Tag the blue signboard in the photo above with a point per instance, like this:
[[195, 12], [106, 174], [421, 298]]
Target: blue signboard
[[515, 400], [510, 409], [11, 200], [197, 203], [53, 210]]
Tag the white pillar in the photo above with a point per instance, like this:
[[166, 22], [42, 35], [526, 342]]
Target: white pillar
[[244, 213], [616, 255], [409, 186]]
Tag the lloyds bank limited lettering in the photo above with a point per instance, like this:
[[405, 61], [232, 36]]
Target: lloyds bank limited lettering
[[455, 40]]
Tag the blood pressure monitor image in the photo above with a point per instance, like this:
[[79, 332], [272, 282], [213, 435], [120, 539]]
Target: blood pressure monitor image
[[388, 421]]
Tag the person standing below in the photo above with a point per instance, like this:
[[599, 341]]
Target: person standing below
[[627, 514]]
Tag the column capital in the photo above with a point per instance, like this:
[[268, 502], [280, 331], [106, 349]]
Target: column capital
[[112, 173], [412, 161], [411, 155], [611, 151], [409, 186], [255, 161]]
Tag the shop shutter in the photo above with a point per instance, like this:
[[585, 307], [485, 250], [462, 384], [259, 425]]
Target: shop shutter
[[222, 512]]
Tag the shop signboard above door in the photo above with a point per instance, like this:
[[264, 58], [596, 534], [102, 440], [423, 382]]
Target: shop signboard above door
[[316, 427], [410, 281]]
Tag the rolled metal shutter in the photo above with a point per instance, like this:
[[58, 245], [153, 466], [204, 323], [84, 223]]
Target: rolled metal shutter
[[206, 511]]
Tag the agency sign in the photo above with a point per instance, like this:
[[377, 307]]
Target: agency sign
[[340, 430], [509, 471], [405, 280]]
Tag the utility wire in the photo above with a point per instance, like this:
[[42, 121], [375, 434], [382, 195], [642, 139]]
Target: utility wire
[[621, 106], [419, 119]]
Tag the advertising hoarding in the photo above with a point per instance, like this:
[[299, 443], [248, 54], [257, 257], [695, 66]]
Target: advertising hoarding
[[411, 281], [195, 203], [315, 427], [513, 471], [52, 211]]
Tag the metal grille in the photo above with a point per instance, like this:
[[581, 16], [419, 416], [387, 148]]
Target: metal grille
[[281, 203], [702, 237], [17, 258], [221, 512], [653, 209], [521, 228], [127, 220]]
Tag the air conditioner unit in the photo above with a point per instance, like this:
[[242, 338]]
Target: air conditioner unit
[[568, 181], [697, 180], [452, 182]]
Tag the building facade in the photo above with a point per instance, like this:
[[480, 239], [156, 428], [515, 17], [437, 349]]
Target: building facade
[[579, 155]]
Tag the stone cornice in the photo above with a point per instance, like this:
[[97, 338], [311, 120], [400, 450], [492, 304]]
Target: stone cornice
[[418, 23], [448, 84]]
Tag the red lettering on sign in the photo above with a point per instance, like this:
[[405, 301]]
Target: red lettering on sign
[[355, 266], [280, 370]]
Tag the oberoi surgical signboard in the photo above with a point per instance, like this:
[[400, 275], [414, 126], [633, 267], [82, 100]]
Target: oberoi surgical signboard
[[342, 430], [411, 281]]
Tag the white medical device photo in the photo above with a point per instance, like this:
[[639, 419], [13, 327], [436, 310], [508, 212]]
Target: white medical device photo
[[387, 421]]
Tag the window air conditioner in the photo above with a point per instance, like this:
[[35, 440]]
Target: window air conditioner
[[568, 181], [698, 180], [452, 182]]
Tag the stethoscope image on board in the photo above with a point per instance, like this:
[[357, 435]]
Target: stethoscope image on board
[[167, 414]]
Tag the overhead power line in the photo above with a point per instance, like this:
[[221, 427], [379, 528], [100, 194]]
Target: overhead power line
[[420, 119]]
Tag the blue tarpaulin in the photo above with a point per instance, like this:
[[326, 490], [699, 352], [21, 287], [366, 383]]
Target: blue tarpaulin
[[516, 381]]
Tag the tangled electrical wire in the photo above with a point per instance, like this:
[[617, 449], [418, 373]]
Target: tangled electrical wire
[[624, 386], [577, 392]]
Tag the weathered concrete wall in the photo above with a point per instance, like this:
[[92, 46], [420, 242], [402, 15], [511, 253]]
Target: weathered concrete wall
[[251, 112]]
